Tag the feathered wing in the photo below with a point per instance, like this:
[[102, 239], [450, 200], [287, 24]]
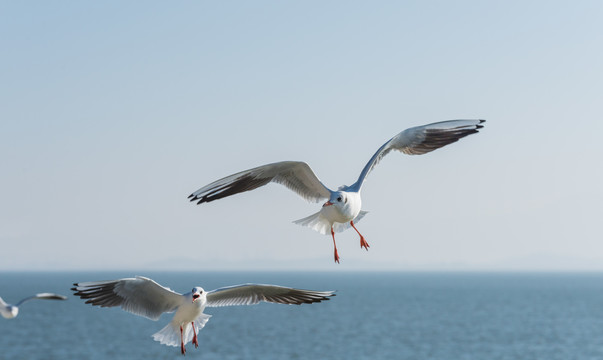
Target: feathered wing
[[141, 296], [421, 140], [250, 294], [295, 175], [43, 296]]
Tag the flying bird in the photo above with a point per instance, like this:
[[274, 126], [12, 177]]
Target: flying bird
[[143, 296], [10, 311], [343, 207]]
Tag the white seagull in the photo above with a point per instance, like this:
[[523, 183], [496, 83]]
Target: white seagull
[[343, 207], [10, 311], [143, 296]]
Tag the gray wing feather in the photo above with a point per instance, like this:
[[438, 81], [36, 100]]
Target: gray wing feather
[[421, 140], [43, 296], [295, 175], [251, 294], [141, 296]]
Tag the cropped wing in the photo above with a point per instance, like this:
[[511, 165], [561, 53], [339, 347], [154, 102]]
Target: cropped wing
[[251, 294], [295, 175], [141, 296], [421, 140], [43, 296]]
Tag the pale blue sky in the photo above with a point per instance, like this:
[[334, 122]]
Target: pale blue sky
[[112, 113]]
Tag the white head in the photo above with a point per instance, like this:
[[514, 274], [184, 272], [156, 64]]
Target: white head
[[338, 199], [342, 207], [198, 294], [9, 312]]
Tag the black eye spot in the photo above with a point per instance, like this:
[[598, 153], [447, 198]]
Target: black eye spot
[[339, 199]]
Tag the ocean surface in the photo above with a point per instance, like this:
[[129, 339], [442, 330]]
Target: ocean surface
[[375, 315]]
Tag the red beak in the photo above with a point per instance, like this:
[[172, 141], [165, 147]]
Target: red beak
[[328, 203], [195, 297]]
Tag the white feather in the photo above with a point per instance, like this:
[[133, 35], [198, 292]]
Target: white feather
[[170, 334], [318, 222]]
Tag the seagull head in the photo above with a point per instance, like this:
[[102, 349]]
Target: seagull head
[[338, 198], [197, 292], [10, 311]]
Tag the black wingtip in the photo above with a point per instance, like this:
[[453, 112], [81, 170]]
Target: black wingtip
[[190, 196], [482, 121], [195, 198]]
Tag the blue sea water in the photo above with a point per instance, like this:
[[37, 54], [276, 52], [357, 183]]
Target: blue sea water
[[375, 315]]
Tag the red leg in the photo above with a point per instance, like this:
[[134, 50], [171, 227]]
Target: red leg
[[182, 349], [195, 336], [335, 246], [363, 243]]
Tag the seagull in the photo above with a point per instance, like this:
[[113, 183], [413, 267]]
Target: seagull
[[343, 207], [144, 297], [10, 311]]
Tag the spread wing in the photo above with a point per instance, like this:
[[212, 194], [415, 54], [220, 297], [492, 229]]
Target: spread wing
[[141, 296], [251, 294], [295, 175], [421, 140], [43, 296]]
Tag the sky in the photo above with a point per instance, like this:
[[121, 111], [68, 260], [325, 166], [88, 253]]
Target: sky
[[112, 113]]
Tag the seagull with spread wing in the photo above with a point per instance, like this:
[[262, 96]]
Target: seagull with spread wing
[[143, 296], [343, 207], [9, 311]]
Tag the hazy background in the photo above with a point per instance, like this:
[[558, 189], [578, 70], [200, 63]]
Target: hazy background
[[112, 113]]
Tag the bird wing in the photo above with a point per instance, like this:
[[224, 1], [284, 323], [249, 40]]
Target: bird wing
[[141, 296], [4, 311], [296, 175], [43, 296], [251, 294], [421, 140]]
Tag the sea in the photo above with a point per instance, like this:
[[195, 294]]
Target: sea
[[374, 315]]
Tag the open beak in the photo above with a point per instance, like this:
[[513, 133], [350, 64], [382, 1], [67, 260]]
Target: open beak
[[195, 297], [328, 203]]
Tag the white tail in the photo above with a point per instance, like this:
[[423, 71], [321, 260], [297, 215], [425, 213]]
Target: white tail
[[321, 224], [170, 334]]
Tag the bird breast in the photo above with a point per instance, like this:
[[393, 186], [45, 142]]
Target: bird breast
[[189, 311], [345, 211]]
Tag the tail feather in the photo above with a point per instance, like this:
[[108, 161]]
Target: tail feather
[[321, 224], [316, 222], [170, 334]]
